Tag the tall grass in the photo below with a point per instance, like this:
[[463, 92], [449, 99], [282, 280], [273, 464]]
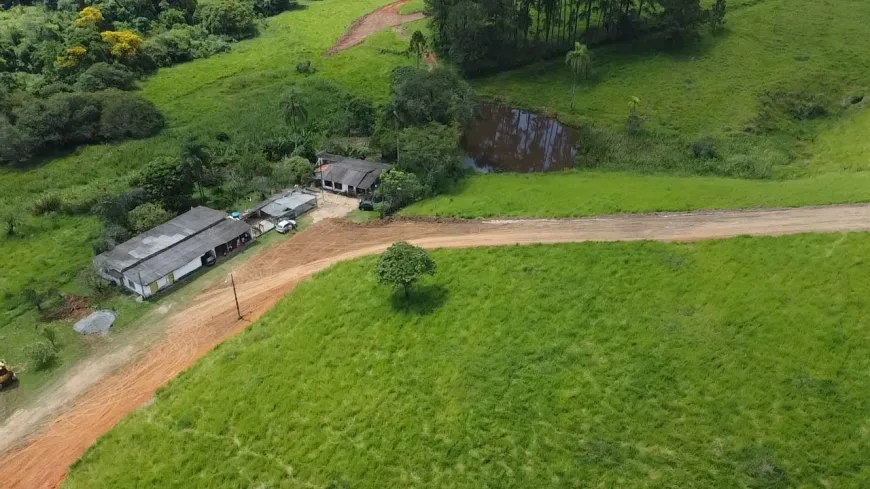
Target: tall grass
[[738, 363]]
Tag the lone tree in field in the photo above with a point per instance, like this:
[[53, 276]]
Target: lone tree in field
[[418, 46], [293, 111], [580, 60], [402, 264]]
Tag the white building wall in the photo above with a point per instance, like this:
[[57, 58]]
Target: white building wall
[[189, 268]]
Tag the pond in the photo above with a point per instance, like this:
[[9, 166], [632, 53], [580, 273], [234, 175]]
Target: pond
[[504, 139]]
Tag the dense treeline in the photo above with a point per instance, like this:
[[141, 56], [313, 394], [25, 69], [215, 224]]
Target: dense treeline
[[484, 35]]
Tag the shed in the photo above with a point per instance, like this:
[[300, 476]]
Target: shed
[[155, 259], [348, 175], [288, 204]]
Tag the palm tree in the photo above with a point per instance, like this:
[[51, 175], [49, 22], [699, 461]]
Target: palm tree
[[195, 159], [293, 111], [418, 46], [580, 60]]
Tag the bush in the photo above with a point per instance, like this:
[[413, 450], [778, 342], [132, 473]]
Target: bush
[[126, 116], [423, 96], [165, 181], [181, 44], [42, 354], [305, 68], [147, 216], [45, 204], [231, 18], [268, 8], [101, 76], [65, 120], [704, 148]]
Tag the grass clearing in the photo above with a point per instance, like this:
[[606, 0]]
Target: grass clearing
[[413, 7], [578, 194], [736, 363], [714, 88]]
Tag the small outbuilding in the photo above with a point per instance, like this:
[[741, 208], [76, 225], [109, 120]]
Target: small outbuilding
[[348, 175], [288, 204], [155, 259]]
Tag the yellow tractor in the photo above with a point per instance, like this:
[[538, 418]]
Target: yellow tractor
[[7, 377]]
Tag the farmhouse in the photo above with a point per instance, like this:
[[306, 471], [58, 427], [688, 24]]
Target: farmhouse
[[348, 175], [155, 259]]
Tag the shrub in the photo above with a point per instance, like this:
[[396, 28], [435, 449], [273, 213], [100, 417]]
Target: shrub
[[181, 44], [432, 153], [147, 216], [268, 8], [231, 18], [305, 68], [126, 116], [101, 76], [704, 148], [45, 204], [42, 354], [295, 170], [277, 147]]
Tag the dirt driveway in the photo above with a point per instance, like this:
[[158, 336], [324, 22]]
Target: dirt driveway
[[382, 18], [41, 460]]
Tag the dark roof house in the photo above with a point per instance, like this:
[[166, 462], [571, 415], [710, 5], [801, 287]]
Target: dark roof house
[[348, 175]]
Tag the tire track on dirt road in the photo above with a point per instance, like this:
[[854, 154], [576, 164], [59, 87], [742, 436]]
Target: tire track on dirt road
[[382, 18], [41, 460]]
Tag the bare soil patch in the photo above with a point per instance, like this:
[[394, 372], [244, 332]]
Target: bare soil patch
[[382, 18]]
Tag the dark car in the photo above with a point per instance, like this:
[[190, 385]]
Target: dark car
[[366, 205]]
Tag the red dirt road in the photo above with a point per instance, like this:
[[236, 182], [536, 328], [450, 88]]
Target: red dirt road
[[41, 460], [382, 18]]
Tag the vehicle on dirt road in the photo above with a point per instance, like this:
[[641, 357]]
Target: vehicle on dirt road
[[7, 377], [285, 226], [366, 205]]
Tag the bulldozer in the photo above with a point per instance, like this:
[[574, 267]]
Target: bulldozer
[[7, 377]]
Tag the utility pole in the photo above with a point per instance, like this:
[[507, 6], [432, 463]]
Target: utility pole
[[235, 296]]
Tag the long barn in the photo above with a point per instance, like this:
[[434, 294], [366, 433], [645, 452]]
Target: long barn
[[155, 259]]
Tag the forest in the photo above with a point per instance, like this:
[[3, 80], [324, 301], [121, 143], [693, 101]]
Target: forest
[[483, 36]]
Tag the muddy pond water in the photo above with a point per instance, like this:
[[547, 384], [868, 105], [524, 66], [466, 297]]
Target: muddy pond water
[[504, 139]]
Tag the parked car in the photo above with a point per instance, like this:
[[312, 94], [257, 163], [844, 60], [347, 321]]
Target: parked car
[[366, 205], [7, 377], [285, 225]]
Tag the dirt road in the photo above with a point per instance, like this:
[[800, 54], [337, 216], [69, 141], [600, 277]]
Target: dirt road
[[382, 18], [41, 460]]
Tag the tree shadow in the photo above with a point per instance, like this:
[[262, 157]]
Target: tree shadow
[[424, 300]]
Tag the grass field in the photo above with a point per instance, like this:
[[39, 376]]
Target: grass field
[[820, 48], [738, 363], [577, 194]]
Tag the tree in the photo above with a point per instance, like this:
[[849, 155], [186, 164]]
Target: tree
[[423, 96], [398, 189], [195, 160], [147, 216], [295, 170], [89, 277], [580, 60], [292, 110], [716, 16], [680, 19], [89, 17], [230, 18], [165, 182], [123, 44], [432, 153], [418, 46], [402, 265], [101, 76]]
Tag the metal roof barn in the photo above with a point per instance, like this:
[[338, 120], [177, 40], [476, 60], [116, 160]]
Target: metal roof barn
[[288, 203], [168, 247]]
